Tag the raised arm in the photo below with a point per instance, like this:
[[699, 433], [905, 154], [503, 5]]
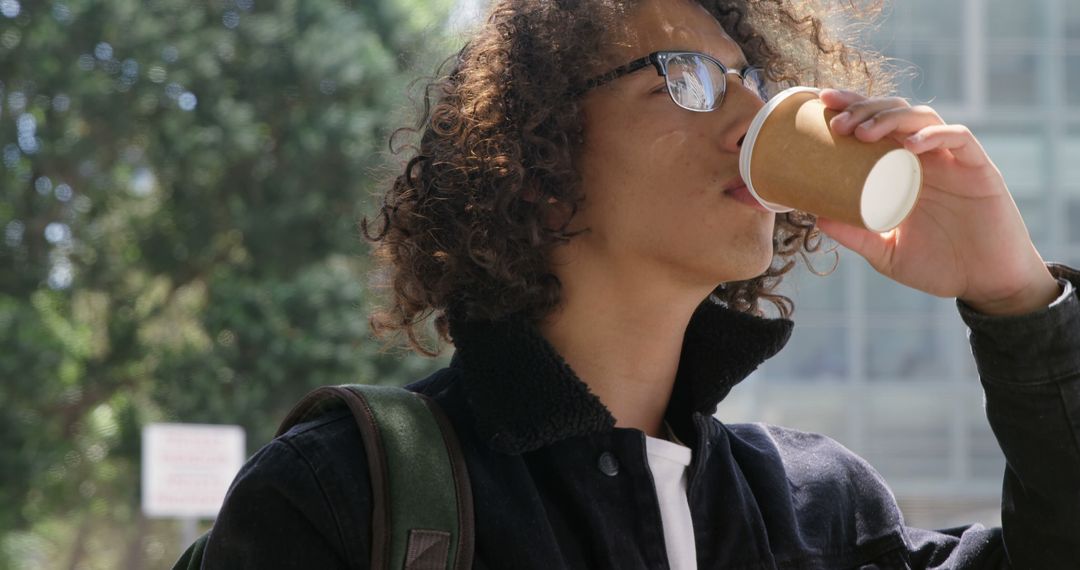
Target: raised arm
[[1029, 366]]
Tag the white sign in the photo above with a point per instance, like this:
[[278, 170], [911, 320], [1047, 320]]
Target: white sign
[[187, 468]]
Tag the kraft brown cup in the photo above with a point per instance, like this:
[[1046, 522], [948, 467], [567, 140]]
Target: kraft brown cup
[[791, 159]]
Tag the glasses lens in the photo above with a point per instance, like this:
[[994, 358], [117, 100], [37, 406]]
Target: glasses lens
[[754, 80], [694, 82]]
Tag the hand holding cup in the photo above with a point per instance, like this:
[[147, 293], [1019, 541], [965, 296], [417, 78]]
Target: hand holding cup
[[964, 237]]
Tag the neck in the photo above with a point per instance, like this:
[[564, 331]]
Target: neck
[[622, 342]]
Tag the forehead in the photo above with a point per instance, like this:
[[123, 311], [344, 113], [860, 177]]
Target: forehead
[[675, 24]]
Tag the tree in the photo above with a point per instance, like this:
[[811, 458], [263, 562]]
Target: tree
[[179, 195]]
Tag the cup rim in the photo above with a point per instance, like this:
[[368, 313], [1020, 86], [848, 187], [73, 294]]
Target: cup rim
[[751, 137]]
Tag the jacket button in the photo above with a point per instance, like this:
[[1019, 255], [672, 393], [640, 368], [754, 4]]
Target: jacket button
[[608, 464]]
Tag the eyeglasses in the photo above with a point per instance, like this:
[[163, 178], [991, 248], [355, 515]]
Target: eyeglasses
[[695, 81]]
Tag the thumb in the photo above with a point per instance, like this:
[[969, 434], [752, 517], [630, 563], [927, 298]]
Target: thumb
[[870, 245]]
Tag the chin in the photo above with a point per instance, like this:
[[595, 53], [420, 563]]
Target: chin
[[750, 270], [735, 275]]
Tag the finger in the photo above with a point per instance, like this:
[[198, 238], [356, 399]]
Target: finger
[[957, 139], [872, 246], [838, 98], [901, 121], [859, 111]]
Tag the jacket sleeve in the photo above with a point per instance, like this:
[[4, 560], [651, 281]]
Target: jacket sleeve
[[1029, 367], [299, 502]]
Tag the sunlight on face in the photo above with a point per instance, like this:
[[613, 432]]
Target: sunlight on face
[[654, 173]]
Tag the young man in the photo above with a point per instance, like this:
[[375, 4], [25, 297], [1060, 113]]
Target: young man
[[579, 243]]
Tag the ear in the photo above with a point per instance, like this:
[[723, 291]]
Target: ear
[[555, 212], [532, 195]]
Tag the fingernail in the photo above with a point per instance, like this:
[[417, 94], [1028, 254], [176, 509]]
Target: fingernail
[[867, 124], [842, 117]]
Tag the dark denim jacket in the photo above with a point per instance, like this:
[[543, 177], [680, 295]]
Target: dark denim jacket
[[556, 485]]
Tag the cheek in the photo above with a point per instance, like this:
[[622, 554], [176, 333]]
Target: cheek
[[642, 161], [670, 148], [651, 170], [680, 165]]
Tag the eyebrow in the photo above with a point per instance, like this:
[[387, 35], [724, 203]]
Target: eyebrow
[[642, 63], [739, 64]]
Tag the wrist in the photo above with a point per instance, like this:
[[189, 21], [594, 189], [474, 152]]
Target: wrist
[[1033, 298]]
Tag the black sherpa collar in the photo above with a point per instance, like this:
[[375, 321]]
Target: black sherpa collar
[[524, 396]]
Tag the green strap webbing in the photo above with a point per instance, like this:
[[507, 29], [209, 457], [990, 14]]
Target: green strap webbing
[[421, 497], [421, 492], [191, 559]]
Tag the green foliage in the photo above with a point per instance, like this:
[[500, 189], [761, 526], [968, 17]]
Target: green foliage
[[179, 192]]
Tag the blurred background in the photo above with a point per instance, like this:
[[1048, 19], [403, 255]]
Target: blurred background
[[179, 191]]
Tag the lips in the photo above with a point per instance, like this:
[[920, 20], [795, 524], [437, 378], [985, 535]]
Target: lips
[[734, 184], [741, 188], [743, 195]]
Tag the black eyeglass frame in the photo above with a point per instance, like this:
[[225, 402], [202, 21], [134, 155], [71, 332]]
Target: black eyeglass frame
[[659, 60]]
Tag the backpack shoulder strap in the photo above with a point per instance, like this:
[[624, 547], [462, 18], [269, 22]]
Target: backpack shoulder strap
[[422, 517], [191, 559]]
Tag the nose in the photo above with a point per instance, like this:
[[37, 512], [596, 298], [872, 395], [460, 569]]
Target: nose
[[736, 113]]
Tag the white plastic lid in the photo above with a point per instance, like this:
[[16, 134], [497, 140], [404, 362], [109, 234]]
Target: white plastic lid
[[891, 190]]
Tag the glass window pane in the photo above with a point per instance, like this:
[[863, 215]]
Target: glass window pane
[[1072, 231], [1072, 78], [810, 407], [1033, 210], [987, 461], [1072, 20], [812, 353], [885, 296], [888, 30], [937, 76], [811, 292], [908, 353], [907, 432], [934, 19], [1013, 78], [1068, 152], [1009, 19], [1020, 158]]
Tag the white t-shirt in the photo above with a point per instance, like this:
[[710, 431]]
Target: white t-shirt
[[668, 462]]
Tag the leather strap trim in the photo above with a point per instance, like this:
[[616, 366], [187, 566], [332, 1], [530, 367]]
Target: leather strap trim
[[427, 549], [380, 490], [325, 397]]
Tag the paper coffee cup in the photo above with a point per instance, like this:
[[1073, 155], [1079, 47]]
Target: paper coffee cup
[[791, 159]]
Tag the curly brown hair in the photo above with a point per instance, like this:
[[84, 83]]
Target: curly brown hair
[[465, 229]]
